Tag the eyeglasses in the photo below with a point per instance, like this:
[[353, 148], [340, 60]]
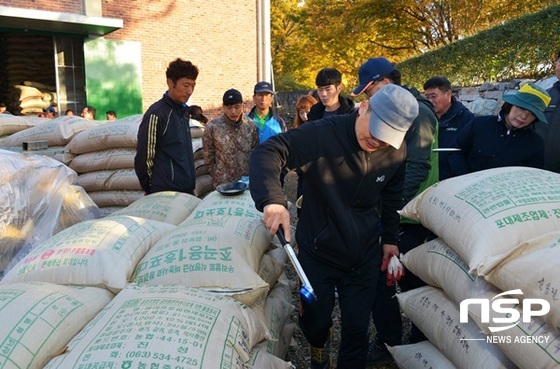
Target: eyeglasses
[[370, 87]]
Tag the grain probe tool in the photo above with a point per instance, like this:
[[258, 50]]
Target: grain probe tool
[[306, 291]]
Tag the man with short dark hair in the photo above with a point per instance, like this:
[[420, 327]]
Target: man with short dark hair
[[353, 189], [452, 116], [164, 158], [331, 102]]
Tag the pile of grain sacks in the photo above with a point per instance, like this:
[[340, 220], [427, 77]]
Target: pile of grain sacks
[[104, 161], [170, 281], [57, 132], [10, 124], [499, 231], [101, 152]]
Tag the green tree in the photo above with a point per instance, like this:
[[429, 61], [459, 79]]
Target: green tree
[[312, 34]]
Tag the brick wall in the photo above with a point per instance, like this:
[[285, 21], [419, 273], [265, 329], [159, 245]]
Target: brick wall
[[63, 6], [219, 37]]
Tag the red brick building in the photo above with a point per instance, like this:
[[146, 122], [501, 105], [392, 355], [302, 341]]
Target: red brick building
[[138, 39]]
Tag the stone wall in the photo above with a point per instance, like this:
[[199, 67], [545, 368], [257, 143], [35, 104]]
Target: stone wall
[[486, 99]]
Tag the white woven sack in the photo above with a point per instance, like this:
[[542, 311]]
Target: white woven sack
[[28, 92], [123, 179], [101, 253], [165, 327], [37, 320], [529, 345], [104, 160], [270, 268], [56, 131], [438, 265], [58, 153], [94, 181], [259, 359], [420, 355], [284, 342], [220, 254], [216, 204], [438, 318], [119, 133], [10, 124], [533, 268], [167, 206], [286, 339], [485, 214], [120, 198], [197, 148], [276, 309], [109, 180], [203, 185]]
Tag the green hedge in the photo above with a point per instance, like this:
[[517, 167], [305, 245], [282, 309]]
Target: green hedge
[[521, 48]]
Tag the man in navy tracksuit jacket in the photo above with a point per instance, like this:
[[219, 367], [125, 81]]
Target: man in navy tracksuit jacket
[[354, 163], [164, 157]]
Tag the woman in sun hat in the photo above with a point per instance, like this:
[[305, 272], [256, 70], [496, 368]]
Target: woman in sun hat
[[508, 139]]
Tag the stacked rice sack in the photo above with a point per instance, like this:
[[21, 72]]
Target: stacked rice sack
[[66, 280], [104, 160], [498, 232], [38, 200], [10, 124], [57, 132], [34, 97], [184, 272], [203, 178], [224, 248]]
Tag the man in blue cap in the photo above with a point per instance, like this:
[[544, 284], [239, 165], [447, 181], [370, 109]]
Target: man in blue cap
[[268, 123], [49, 112], [421, 172]]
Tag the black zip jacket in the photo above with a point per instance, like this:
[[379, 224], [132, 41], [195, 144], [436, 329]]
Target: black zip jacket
[[341, 217], [450, 123], [317, 111], [486, 143], [164, 157], [550, 132]]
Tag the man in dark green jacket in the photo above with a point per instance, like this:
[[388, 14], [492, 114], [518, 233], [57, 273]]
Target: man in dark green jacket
[[422, 171]]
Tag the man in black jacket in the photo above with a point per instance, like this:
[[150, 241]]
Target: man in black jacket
[[331, 102], [355, 163], [452, 116], [551, 132], [164, 157]]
